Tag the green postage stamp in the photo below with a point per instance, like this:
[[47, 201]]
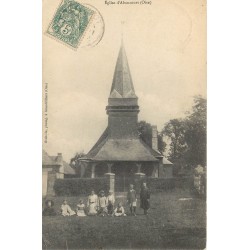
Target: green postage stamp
[[70, 22]]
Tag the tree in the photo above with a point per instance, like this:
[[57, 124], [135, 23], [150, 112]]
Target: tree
[[145, 133], [196, 132], [74, 163], [188, 136], [175, 130]]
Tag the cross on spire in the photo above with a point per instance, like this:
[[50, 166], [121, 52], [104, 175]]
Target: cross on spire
[[122, 25]]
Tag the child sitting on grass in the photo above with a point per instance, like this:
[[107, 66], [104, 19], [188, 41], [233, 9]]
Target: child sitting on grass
[[66, 210], [80, 209], [119, 211], [49, 210]]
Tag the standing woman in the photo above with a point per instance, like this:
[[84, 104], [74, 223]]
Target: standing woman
[[145, 197], [92, 203]]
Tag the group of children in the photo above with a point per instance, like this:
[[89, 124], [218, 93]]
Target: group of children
[[101, 205]]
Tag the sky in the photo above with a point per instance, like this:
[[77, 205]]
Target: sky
[[165, 43]]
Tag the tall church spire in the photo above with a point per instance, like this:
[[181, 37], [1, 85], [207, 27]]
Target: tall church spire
[[122, 86], [122, 106]]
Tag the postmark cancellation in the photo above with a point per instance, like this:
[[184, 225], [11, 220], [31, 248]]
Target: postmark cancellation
[[71, 22]]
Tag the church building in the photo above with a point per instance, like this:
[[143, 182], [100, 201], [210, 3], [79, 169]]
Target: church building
[[120, 150]]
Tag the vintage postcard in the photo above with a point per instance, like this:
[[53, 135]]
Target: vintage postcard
[[124, 124]]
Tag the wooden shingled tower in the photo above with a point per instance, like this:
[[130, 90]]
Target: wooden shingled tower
[[119, 150]]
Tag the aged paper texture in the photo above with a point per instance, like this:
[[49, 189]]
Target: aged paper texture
[[124, 124]]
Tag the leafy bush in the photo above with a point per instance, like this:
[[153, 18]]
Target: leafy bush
[[79, 186]]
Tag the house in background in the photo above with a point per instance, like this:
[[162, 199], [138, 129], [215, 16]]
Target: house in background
[[167, 168], [54, 167]]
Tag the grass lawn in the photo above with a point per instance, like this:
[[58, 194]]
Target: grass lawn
[[176, 220]]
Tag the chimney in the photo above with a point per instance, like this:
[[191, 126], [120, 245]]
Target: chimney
[[154, 138], [59, 158]]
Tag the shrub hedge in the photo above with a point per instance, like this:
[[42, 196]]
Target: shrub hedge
[[161, 184], [83, 186], [166, 184], [80, 186], [158, 184]]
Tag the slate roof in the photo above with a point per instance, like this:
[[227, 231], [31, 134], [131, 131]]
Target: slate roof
[[56, 159], [155, 153], [48, 160], [123, 150], [107, 149], [67, 169], [166, 161]]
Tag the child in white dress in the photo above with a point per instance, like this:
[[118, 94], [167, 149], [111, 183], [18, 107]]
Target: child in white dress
[[66, 210], [80, 209]]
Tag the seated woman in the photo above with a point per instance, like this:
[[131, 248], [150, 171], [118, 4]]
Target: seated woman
[[102, 203], [49, 210], [66, 210], [119, 211], [92, 203], [80, 209]]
